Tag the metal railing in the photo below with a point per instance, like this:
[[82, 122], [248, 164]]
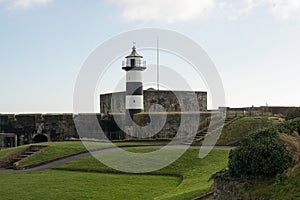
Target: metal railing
[[137, 63]]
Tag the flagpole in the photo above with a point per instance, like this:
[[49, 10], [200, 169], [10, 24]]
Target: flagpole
[[157, 64]]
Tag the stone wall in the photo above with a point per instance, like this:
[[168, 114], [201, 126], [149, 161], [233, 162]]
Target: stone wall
[[262, 110], [60, 127], [173, 122], [115, 127], [115, 102], [227, 188], [54, 127]]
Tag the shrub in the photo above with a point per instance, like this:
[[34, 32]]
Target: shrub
[[290, 126], [261, 154], [293, 113]]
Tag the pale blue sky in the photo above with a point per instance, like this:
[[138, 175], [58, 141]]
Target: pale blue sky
[[254, 44]]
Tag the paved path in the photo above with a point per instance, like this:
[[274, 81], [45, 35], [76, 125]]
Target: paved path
[[83, 155]]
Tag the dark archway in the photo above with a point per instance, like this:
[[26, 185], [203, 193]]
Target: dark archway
[[40, 138]]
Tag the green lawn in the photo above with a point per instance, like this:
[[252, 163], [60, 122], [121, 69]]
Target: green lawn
[[57, 150], [55, 184], [58, 184], [196, 172], [245, 126]]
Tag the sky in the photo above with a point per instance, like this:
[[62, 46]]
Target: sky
[[254, 44]]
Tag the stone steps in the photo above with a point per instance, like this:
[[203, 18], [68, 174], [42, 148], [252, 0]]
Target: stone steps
[[202, 133], [29, 152]]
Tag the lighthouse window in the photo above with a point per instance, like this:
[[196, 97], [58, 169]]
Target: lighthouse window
[[132, 62]]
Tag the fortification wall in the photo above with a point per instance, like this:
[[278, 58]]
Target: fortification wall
[[115, 102], [115, 127], [60, 127], [262, 110], [175, 122], [55, 127]]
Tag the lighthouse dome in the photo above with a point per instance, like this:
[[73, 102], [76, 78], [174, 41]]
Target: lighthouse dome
[[134, 54]]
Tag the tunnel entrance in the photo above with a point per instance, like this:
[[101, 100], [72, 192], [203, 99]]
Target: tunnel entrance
[[40, 138]]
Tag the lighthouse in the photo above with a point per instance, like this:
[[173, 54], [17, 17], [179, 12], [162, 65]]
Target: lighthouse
[[134, 102]]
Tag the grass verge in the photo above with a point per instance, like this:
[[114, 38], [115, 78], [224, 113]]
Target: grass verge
[[196, 172]]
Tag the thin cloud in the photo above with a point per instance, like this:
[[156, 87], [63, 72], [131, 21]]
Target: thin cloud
[[234, 10], [24, 4], [285, 9], [172, 11], [165, 10]]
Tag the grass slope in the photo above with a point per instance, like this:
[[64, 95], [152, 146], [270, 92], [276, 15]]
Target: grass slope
[[196, 172], [236, 131], [286, 189], [54, 184], [6, 152], [57, 150]]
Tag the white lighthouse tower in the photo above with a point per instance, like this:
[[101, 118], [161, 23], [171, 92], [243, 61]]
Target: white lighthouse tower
[[134, 103]]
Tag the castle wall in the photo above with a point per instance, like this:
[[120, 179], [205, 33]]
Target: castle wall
[[112, 103], [115, 102], [113, 126], [174, 123], [60, 127], [56, 127], [262, 110]]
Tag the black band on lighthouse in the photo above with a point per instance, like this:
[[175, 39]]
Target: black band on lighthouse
[[134, 88]]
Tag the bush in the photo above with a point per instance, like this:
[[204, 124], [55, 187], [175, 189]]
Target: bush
[[293, 113], [261, 154], [290, 126]]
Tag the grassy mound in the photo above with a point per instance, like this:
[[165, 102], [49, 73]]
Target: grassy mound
[[234, 133], [54, 151]]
